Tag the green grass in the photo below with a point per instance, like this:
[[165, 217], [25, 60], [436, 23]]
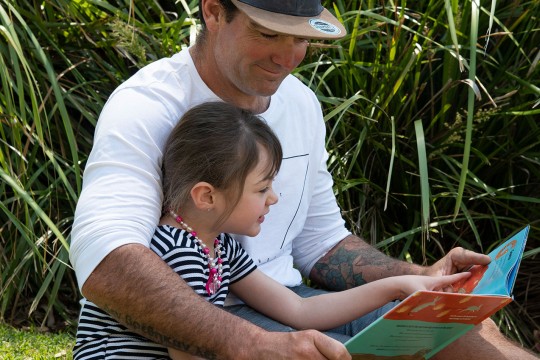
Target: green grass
[[34, 344]]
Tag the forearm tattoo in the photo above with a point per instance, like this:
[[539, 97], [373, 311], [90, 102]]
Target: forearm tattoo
[[351, 263], [336, 272]]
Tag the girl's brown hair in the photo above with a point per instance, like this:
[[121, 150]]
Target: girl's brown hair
[[220, 144]]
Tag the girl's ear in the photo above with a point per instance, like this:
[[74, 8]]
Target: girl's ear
[[203, 195]]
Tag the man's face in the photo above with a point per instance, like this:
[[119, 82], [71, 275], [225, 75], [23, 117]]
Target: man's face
[[254, 61]]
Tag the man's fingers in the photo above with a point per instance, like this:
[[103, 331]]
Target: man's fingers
[[330, 348], [462, 259]]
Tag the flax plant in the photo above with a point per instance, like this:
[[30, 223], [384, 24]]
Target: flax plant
[[59, 61]]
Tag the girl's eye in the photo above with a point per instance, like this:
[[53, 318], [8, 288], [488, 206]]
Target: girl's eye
[[265, 189]]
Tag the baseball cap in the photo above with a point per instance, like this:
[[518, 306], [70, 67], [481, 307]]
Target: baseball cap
[[301, 18]]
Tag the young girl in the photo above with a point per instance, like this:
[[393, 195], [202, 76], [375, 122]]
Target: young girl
[[218, 168]]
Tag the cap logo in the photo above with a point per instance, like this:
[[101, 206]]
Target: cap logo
[[324, 27]]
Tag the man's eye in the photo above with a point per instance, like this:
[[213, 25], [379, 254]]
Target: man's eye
[[268, 36]]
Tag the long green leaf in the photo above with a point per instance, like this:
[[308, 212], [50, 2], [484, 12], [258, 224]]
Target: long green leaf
[[475, 7]]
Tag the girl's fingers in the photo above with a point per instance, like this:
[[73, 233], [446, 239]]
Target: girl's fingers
[[448, 280]]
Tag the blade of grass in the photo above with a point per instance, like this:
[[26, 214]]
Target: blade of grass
[[475, 7], [424, 182]]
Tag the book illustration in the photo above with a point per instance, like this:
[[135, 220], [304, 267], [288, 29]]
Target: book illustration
[[425, 305]]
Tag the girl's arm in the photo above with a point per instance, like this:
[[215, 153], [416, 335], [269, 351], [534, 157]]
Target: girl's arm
[[330, 310]]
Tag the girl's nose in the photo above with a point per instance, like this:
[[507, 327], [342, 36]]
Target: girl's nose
[[272, 197]]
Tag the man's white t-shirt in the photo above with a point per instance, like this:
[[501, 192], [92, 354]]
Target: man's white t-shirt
[[121, 198]]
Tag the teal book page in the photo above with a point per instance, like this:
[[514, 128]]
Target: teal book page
[[499, 276], [405, 338]]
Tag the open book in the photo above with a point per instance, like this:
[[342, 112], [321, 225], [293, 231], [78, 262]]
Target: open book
[[427, 321]]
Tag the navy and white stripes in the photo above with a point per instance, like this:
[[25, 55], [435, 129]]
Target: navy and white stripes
[[99, 336]]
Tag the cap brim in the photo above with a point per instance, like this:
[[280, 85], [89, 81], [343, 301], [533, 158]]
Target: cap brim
[[325, 26]]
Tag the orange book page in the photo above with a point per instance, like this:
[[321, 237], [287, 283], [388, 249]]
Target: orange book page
[[467, 286], [447, 307]]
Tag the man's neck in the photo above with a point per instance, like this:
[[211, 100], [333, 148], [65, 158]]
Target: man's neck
[[215, 82]]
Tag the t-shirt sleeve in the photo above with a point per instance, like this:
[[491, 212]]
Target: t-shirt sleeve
[[120, 202], [240, 262]]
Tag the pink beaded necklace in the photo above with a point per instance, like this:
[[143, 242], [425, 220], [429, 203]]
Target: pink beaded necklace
[[215, 267]]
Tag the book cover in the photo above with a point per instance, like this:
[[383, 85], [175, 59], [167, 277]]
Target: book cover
[[427, 321]]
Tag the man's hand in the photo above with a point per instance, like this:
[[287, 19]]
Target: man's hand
[[309, 345], [457, 260]]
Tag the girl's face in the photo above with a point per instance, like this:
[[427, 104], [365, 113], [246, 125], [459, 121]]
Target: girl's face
[[254, 204]]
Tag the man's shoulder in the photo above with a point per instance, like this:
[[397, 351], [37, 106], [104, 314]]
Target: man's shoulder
[[161, 91], [165, 71]]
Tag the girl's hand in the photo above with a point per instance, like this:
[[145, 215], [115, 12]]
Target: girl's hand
[[411, 283]]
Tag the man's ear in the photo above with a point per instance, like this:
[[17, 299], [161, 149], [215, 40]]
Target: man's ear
[[203, 195], [211, 11]]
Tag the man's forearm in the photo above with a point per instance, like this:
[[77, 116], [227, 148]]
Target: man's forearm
[[140, 291], [354, 262]]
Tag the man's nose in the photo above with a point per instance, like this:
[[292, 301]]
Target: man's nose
[[290, 52]]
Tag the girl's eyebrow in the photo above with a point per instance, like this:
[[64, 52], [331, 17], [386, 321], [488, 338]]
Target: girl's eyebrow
[[267, 177]]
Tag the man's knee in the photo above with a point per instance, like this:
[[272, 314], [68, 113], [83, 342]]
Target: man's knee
[[484, 341], [488, 330]]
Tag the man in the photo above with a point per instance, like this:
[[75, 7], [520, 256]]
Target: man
[[244, 56]]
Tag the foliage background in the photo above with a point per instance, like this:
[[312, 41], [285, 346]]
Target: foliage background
[[433, 129]]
